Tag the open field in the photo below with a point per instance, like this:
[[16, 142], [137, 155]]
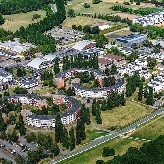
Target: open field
[[80, 20], [101, 8], [124, 115], [126, 15], [120, 145], [13, 22], [151, 130]]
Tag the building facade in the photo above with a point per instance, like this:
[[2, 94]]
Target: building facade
[[49, 120], [150, 19]]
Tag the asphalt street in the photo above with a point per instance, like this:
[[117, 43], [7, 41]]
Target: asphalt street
[[5, 155], [131, 127]]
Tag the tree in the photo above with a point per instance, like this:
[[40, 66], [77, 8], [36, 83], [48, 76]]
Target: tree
[[21, 72], [58, 129], [96, 1], [140, 93], [31, 137], [36, 16], [2, 20], [87, 29], [22, 129], [101, 40], [3, 125], [151, 62], [88, 121], [95, 30], [94, 107], [113, 69], [100, 162], [71, 13], [13, 136], [80, 131], [108, 151], [86, 5], [54, 149], [12, 119], [72, 139], [19, 90], [150, 99], [64, 138], [56, 66], [98, 114]]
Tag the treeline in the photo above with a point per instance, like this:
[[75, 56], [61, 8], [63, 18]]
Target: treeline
[[108, 17], [80, 62], [152, 31], [115, 19], [8, 7], [113, 100], [156, 2], [142, 11]]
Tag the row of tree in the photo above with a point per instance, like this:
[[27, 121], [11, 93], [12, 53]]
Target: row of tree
[[87, 29], [152, 31], [18, 6], [113, 100], [141, 11], [73, 137], [78, 61]]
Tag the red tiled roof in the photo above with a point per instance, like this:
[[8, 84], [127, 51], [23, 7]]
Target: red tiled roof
[[104, 61], [113, 57]]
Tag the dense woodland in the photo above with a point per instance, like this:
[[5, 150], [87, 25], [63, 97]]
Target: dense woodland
[[8, 7], [150, 153]]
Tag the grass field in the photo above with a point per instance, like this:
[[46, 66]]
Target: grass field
[[13, 22], [151, 130], [101, 8], [90, 157], [121, 116], [80, 20]]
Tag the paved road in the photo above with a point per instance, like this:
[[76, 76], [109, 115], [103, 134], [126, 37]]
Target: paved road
[[15, 147], [6, 155], [131, 127]]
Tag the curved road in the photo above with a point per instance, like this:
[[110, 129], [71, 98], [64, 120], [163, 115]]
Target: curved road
[[131, 127]]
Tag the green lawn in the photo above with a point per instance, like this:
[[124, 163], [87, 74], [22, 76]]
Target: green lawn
[[120, 145], [151, 130], [121, 116], [14, 21]]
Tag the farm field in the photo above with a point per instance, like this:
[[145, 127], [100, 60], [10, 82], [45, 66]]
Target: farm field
[[13, 22], [121, 116], [120, 145], [151, 130]]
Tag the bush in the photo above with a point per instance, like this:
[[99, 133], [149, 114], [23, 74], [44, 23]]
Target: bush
[[35, 16], [99, 162], [108, 151], [126, 3], [96, 1], [86, 5]]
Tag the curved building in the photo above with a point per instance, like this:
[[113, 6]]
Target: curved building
[[99, 92], [49, 120]]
